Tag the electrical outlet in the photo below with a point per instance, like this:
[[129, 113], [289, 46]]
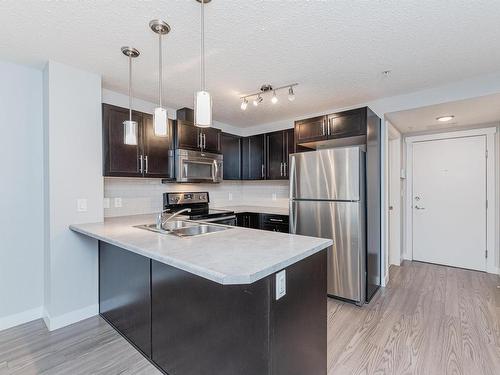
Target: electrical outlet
[[280, 284], [81, 205], [118, 202], [274, 196], [230, 196], [106, 203]]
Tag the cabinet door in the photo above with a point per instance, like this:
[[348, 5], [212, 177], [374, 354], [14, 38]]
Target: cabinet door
[[347, 124], [211, 139], [253, 158], [310, 130], [231, 150], [156, 150], [289, 149], [188, 136], [120, 159], [275, 150]]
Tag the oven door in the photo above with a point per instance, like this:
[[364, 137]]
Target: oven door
[[195, 166]]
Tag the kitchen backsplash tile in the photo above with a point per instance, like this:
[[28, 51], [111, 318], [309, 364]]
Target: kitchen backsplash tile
[[141, 196]]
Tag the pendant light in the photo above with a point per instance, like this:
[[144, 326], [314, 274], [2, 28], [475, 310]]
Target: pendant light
[[160, 120], [202, 98], [129, 126]]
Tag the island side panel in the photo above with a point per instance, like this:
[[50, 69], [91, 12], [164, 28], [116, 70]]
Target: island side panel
[[299, 320], [125, 294], [201, 327]]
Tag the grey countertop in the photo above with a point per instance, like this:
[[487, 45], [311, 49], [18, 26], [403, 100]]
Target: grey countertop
[[234, 256], [256, 209]]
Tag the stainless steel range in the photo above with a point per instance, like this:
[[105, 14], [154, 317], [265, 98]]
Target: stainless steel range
[[198, 204]]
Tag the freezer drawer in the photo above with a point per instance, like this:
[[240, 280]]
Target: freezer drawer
[[344, 222], [332, 174]]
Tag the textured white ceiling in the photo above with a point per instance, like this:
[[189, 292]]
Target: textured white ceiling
[[482, 110], [335, 49]]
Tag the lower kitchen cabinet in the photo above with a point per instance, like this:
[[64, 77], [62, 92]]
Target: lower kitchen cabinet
[[125, 294], [248, 220], [274, 223]]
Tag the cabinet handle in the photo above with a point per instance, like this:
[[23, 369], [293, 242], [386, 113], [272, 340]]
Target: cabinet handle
[[263, 171], [323, 127], [147, 164], [276, 220], [330, 124], [281, 169], [141, 163], [285, 173], [199, 141], [204, 140]]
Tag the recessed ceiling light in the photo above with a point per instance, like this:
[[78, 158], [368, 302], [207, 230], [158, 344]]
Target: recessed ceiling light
[[445, 118]]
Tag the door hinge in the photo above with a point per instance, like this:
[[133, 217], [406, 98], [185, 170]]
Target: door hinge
[[486, 253]]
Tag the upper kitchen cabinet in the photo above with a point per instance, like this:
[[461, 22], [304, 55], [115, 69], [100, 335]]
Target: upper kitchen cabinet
[[191, 137], [253, 158], [312, 129], [348, 123], [120, 159], [278, 146], [156, 149], [149, 158], [231, 150]]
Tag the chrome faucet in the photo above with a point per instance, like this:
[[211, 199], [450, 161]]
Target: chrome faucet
[[159, 219]]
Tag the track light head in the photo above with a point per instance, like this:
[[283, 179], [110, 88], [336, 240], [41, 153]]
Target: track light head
[[244, 104], [291, 94], [274, 99]]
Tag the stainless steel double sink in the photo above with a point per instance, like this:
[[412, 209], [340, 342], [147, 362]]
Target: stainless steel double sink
[[183, 228]]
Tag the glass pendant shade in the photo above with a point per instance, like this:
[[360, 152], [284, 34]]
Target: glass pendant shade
[[130, 132], [160, 122], [203, 109]]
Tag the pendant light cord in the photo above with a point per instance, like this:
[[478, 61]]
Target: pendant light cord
[[130, 86], [160, 88], [203, 81]]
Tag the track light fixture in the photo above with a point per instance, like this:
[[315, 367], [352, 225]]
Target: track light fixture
[[264, 89]]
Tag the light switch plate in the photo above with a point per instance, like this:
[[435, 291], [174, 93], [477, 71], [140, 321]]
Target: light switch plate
[[118, 202], [106, 203], [81, 205], [280, 284]]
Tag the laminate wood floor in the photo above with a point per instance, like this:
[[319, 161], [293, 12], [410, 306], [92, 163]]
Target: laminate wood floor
[[429, 320]]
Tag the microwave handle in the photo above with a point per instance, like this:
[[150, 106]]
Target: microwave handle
[[214, 171]]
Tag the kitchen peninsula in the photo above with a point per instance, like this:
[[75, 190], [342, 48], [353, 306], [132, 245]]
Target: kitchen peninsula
[[217, 303]]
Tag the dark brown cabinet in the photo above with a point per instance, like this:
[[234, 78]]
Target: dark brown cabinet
[[191, 137], [278, 146], [347, 124], [344, 124], [231, 150], [248, 220], [311, 130], [274, 223], [149, 158], [253, 158]]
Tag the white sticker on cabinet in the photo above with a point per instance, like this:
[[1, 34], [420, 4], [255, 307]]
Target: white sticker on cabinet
[[280, 284]]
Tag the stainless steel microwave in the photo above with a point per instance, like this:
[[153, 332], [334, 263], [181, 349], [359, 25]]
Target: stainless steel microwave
[[196, 166]]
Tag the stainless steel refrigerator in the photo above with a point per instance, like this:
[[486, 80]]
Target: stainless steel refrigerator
[[328, 199]]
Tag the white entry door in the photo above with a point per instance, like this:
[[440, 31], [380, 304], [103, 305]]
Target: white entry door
[[449, 202]]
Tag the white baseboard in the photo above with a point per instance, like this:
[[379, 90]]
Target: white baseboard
[[20, 318], [494, 270], [64, 320]]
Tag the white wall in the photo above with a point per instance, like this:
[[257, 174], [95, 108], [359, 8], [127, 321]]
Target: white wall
[[21, 195], [142, 196], [73, 170], [394, 192]]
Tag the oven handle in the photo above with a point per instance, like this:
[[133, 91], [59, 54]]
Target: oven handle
[[217, 219]]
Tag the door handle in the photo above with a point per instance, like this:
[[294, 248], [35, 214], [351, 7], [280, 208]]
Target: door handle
[[419, 208]]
